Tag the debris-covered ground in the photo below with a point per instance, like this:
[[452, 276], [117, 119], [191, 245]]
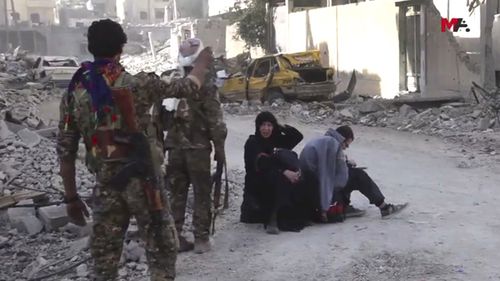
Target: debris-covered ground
[[449, 232]]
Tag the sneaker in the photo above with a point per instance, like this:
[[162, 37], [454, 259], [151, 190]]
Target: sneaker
[[202, 246], [185, 245], [391, 209], [351, 212]]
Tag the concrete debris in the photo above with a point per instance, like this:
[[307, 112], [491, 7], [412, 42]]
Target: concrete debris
[[146, 62], [76, 230], [53, 217], [30, 138], [370, 106], [30, 271], [5, 133], [346, 113], [134, 251], [16, 215], [3, 241], [82, 270], [457, 121], [29, 224]]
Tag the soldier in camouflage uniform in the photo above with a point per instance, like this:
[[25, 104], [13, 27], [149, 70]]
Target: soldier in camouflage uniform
[[89, 111], [195, 124]]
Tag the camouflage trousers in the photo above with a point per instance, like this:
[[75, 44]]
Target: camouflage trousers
[[185, 167], [112, 210]]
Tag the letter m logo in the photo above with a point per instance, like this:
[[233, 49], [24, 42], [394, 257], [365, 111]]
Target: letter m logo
[[447, 24]]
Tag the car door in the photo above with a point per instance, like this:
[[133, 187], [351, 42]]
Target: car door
[[259, 78]]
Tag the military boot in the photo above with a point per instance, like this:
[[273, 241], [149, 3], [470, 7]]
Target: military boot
[[185, 245], [202, 246]]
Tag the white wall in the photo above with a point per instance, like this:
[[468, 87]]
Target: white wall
[[362, 37], [217, 7]]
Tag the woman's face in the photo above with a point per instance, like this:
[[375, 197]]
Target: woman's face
[[266, 129]]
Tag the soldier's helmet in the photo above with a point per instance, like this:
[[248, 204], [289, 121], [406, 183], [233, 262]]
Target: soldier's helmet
[[189, 50]]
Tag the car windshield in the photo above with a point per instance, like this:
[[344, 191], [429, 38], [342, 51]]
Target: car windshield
[[60, 63]]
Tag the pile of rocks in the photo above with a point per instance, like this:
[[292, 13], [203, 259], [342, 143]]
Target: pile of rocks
[[145, 62], [468, 124]]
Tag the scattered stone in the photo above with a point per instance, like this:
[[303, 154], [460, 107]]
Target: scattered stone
[[296, 108], [444, 116], [484, 123], [404, 110], [30, 138], [346, 113], [3, 241], [122, 272], [476, 113], [35, 266], [79, 245], [464, 165], [78, 231], [82, 270], [133, 251], [5, 133]]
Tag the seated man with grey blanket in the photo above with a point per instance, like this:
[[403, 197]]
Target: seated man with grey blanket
[[331, 178]]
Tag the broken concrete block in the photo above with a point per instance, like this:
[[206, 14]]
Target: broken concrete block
[[53, 217], [476, 113], [5, 133], [346, 113], [484, 123], [29, 224], [444, 116], [34, 123], [370, 106], [30, 138], [404, 110], [296, 108], [16, 214]]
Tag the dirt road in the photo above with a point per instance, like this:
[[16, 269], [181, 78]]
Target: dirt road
[[449, 231]]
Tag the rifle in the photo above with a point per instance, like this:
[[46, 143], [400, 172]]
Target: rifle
[[216, 182], [140, 165], [139, 161]]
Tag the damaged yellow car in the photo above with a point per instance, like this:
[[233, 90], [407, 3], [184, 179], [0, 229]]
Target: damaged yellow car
[[284, 76]]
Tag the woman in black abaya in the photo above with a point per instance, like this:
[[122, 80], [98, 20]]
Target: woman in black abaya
[[272, 182]]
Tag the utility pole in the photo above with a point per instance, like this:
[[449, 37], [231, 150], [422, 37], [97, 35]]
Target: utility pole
[[176, 15], [487, 66], [13, 13], [6, 13]]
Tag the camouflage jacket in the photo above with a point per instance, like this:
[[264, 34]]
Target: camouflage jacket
[[76, 120], [197, 122]]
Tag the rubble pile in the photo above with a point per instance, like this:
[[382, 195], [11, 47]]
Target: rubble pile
[[20, 106], [146, 62], [470, 124]]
